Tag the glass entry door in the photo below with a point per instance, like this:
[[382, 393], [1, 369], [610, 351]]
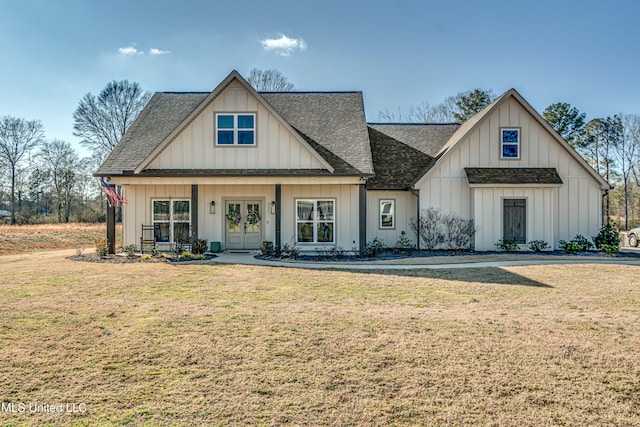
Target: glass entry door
[[243, 224]]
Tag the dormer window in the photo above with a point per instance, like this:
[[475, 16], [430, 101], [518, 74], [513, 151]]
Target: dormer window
[[509, 143], [235, 129]]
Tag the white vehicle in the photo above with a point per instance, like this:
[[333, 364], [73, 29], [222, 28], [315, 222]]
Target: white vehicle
[[633, 235]]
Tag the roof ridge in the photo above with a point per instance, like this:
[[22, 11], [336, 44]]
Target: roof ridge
[[183, 92], [312, 92], [412, 124]]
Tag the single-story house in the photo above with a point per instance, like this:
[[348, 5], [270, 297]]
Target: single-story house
[[241, 167]]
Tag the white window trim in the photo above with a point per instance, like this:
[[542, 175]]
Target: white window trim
[[517, 144], [170, 221], [315, 221], [393, 214], [235, 129]]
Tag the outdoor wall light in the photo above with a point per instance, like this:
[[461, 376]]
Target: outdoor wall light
[[212, 207], [273, 207]]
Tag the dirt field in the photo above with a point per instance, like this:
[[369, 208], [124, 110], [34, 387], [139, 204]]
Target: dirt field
[[31, 238], [166, 344]]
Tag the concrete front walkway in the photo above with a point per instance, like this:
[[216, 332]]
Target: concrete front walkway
[[442, 262]]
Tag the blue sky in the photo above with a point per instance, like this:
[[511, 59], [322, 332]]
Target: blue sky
[[398, 53]]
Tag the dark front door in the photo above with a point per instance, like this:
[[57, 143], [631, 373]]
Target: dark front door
[[514, 220]]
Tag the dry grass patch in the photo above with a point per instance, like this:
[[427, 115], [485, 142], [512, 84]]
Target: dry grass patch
[[18, 239], [160, 344]]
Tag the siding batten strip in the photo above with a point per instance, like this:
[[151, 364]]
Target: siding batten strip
[[194, 213]]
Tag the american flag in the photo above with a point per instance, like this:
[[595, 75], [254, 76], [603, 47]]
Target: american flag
[[114, 197]]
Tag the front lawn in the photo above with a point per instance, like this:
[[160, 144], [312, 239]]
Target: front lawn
[[175, 344]]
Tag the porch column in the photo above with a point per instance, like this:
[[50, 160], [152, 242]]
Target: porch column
[[194, 213], [278, 218], [111, 229], [362, 209]]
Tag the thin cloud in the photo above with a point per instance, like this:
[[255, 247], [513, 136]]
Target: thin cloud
[[284, 46], [130, 51], [154, 51]]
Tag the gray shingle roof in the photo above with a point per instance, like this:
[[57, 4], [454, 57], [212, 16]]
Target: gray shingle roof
[[162, 114], [332, 123], [426, 137], [397, 165], [335, 120], [516, 176]]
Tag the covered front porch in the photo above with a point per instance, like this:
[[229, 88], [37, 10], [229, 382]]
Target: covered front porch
[[240, 213]]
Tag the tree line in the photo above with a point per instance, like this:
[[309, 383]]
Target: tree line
[[46, 180]]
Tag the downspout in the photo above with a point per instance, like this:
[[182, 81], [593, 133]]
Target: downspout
[[417, 194]]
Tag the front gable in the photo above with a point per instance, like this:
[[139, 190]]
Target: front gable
[[479, 144], [194, 146]]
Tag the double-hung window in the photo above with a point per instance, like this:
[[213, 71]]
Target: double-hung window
[[315, 221], [172, 220], [387, 214], [509, 143], [235, 129]]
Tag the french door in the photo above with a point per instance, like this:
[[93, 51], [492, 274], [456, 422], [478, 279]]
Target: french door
[[243, 224]]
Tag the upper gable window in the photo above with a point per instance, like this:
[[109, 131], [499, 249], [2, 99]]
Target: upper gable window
[[509, 143], [235, 129]]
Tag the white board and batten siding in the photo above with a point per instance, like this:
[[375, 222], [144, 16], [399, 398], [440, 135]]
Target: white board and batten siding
[[138, 210], [195, 147], [346, 211], [574, 207], [405, 211]]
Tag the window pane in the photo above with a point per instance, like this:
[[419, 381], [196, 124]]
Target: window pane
[[510, 136], [385, 207], [305, 210], [161, 210], [225, 137], [245, 137], [510, 151], [325, 232], [181, 232], [181, 210], [162, 232], [245, 122], [325, 209], [225, 121], [305, 232]]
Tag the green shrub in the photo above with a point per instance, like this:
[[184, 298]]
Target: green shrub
[[507, 245], [200, 246], [185, 256], [102, 247], [584, 243], [570, 247], [372, 249], [130, 250], [538, 245], [404, 245], [607, 236], [575, 245], [610, 249]]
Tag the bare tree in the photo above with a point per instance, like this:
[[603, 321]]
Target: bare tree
[[423, 113], [269, 81], [17, 138], [457, 108], [62, 169], [102, 121], [628, 154]]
